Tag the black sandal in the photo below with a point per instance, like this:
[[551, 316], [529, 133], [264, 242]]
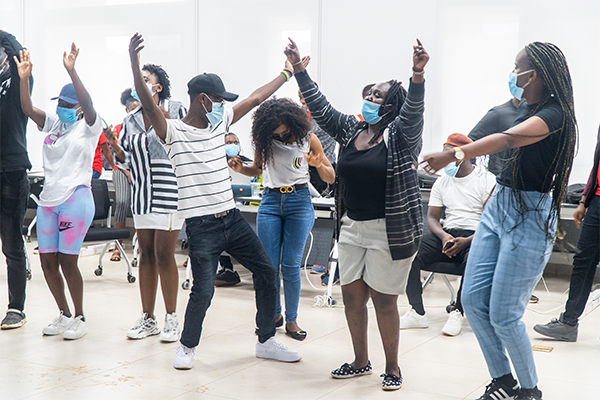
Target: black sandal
[[298, 335], [348, 371]]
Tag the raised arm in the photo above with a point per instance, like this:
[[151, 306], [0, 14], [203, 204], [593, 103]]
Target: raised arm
[[83, 96], [153, 112], [336, 124], [24, 67]]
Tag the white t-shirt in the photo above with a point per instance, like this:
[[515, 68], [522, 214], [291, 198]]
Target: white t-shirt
[[463, 198], [289, 165], [68, 161], [200, 164]]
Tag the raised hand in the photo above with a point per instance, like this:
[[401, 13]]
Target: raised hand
[[69, 59], [235, 163], [293, 56], [135, 46], [24, 66], [305, 61], [420, 56]]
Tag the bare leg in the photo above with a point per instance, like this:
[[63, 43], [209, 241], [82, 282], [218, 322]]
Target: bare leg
[[68, 264], [388, 320], [148, 271], [55, 281], [356, 295], [164, 245]]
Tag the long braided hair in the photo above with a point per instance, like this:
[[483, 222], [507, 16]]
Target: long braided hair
[[551, 66], [394, 97]]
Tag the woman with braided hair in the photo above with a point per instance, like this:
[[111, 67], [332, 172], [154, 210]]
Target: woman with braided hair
[[382, 228], [516, 232]]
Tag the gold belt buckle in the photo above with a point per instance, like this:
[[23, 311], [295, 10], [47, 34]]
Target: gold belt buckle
[[286, 189]]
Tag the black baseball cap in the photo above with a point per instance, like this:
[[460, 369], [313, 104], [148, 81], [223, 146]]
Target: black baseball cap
[[210, 84]]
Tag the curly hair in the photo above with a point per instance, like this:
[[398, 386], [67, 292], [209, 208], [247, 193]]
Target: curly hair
[[394, 97], [163, 79], [269, 116]]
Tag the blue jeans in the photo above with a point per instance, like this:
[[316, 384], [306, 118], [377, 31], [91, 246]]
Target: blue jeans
[[208, 237], [585, 262], [14, 193], [283, 223], [505, 263]]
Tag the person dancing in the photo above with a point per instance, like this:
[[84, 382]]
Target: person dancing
[[515, 236], [154, 205], [284, 148], [66, 206], [383, 225]]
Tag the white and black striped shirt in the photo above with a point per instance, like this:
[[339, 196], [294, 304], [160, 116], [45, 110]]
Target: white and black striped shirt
[[153, 182], [198, 158]]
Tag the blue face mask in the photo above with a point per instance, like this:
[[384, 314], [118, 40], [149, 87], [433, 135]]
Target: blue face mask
[[370, 112], [232, 149], [216, 114], [452, 169], [67, 115], [516, 91], [134, 92]]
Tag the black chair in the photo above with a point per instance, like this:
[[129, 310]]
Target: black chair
[[106, 233]]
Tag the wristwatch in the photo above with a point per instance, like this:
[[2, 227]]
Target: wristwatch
[[459, 154]]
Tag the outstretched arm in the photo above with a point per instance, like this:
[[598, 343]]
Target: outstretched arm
[[155, 115], [85, 100], [24, 66]]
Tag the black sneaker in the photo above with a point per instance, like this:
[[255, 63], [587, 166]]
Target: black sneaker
[[14, 319], [499, 391], [530, 394], [227, 277], [558, 330]]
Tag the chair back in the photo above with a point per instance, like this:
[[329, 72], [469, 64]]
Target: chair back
[[101, 199]]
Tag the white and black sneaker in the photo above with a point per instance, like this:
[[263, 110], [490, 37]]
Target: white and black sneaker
[[143, 327], [499, 391], [170, 332], [13, 319]]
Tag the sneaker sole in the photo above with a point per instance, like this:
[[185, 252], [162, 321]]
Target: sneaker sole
[[450, 334], [14, 326], [275, 359], [182, 368], [73, 337], [169, 339], [557, 337], [350, 376], [143, 337], [414, 327]]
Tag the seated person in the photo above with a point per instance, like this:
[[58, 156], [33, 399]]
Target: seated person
[[463, 191]]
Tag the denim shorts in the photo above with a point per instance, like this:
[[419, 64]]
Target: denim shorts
[[364, 252]]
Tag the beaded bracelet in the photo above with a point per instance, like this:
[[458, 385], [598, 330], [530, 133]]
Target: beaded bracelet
[[417, 72]]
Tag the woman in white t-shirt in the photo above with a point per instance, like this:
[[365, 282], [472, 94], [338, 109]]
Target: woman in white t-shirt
[[284, 148], [66, 206]]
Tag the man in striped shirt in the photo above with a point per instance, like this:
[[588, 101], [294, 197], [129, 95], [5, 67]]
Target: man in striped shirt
[[196, 147]]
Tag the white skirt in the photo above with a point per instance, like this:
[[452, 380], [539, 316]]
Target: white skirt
[[161, 222]]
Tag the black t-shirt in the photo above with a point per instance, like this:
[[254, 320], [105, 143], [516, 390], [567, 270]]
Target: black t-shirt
[[538, 160], [363, 173]]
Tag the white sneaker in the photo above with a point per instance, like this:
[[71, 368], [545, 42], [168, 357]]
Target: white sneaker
[[184, 357], [454, 324], [144, 327], [412, 320], [58, 326], [170, 332], [76, 329], [274, 350]]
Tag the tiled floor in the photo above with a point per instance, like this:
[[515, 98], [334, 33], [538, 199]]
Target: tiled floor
[[105, 365]]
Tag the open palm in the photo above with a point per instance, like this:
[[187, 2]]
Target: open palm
[[69, 59], [24, 66]]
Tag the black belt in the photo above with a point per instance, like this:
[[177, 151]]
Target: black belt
[[289, 189]]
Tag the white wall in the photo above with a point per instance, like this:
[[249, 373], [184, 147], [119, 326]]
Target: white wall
[[472, 44]]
